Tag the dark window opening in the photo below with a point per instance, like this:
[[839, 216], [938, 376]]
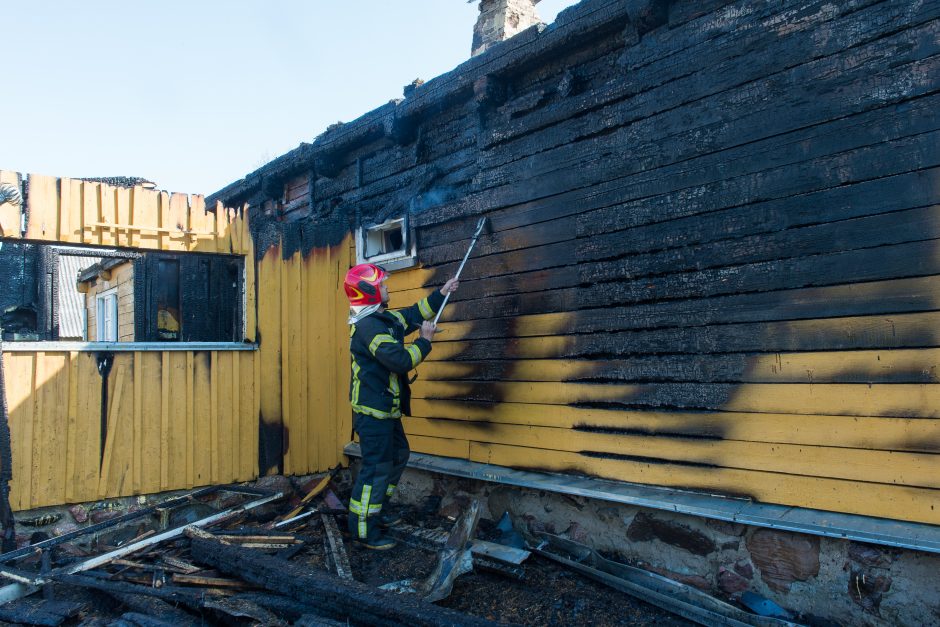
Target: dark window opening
[[168, 299]]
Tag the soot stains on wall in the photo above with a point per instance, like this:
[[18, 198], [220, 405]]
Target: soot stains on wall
[[678, 192]]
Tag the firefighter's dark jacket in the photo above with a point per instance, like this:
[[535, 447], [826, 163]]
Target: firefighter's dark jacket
[[381, 360]]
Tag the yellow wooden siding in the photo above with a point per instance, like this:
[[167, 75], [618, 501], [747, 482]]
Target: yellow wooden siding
[[304, 354], [153, 442], [887, 501], [854, 431]]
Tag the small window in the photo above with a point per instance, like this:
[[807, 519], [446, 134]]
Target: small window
[[387, 244], [106, 311]]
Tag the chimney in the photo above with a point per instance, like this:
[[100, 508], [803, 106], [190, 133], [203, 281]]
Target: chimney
[[500, 20]]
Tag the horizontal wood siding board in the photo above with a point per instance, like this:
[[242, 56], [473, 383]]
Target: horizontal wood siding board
[[854, 497], [861, 432], [898, 400], [913, 330], [887, 366]]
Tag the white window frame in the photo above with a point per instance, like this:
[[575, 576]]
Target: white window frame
[[106, 303], [405, 257]]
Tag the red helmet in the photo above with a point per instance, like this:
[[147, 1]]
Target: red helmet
[[362, 284]]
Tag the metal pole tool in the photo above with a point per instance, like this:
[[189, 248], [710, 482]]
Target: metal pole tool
[[473, 242]]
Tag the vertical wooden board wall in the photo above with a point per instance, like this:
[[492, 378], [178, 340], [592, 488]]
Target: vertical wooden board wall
[[248, 431], [316, 347], [19, 372], [52, 400], [271, 419], [340, 422], [294, 357], [202, 417], [176, 433]]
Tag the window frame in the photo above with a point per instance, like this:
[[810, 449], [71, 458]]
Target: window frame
[[404, 257], [106, 296]]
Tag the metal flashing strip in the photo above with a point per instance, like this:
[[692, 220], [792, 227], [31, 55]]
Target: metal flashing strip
[[122, 347], [908, 535]]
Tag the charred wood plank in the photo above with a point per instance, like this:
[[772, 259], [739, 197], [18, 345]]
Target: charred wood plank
[[899, 261], [153, 607], [712, 67], [243, 608], [138, 619], [667, 138], [32, 611], [711, 181], [877, 297], [336, 548], [280, 605], [332, 597], [312, 620], [860, 333]]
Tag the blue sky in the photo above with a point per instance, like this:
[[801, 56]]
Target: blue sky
[[195, 94]]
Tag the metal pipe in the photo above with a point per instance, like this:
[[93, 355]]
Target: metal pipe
[[473, 242]]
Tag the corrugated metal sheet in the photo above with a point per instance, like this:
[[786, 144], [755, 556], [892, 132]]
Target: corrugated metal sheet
[[71, 303]]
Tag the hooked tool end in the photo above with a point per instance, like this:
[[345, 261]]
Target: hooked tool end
[[484, 223]]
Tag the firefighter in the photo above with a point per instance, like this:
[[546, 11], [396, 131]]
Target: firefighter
[[379, 392]]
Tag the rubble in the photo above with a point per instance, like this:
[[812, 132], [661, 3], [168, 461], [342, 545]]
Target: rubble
[[240, 555]]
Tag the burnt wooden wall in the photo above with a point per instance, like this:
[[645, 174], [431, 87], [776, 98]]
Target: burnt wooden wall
[[713, 262]]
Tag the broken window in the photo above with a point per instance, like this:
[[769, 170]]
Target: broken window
[[105, 295], [388, 244]]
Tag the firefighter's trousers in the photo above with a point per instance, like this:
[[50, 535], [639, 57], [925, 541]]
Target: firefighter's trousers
[[385, 454]]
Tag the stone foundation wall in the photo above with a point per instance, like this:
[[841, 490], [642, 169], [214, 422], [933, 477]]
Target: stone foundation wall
[[825, 580]]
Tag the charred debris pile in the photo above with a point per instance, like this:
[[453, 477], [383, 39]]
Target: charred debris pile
[[241, 555]]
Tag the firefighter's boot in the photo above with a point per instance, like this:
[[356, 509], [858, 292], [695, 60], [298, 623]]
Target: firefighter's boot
[[366, 532]]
